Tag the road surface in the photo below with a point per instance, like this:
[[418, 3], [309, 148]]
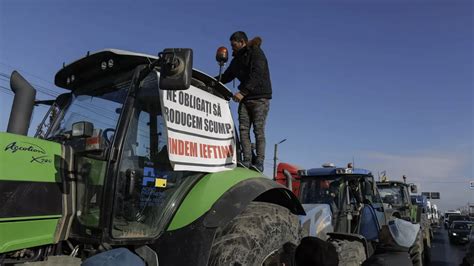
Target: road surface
[[444, 253]]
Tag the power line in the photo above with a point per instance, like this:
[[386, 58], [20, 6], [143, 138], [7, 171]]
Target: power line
[[35, 76], [87, 108], [6, 92], [444, 182], [39, 88], [54, 94]]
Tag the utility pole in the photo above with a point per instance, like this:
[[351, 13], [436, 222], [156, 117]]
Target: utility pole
[[275, 158]]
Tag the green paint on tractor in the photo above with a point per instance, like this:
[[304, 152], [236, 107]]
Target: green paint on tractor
[[206, 192], [24, 234], [28, 159]]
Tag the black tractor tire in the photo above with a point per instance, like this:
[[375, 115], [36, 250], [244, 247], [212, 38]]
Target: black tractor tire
[[416, 251], [251, 237]]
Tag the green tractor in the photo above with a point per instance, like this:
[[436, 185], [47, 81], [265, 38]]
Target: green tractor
[[396, 197], [141, 152]]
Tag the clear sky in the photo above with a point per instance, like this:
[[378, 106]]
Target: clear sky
[[388, 83]]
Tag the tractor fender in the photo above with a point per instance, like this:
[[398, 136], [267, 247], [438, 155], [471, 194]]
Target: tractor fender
[[188, 240], [219, 197], [235, 200]]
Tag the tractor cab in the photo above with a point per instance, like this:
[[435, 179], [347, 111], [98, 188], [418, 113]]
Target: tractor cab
[[349, 192], [113, 118], [396, 197]]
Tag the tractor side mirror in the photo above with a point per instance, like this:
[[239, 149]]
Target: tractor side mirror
[[413, 189], [176, 68]]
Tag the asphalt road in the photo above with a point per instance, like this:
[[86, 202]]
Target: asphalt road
[[443, 253]]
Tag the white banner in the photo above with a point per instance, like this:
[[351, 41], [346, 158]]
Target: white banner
[[200, 131]]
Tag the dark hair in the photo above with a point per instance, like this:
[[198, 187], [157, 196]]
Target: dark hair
[[239, 36]]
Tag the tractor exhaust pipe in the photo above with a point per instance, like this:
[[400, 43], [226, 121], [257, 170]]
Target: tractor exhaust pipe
[[289, 179], [23, 104]]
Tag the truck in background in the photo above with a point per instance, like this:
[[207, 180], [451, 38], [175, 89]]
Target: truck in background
[[447, 214]]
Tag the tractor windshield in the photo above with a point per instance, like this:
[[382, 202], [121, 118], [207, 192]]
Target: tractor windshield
[[100, 106], [392, 195], [331, 190], [322, 191]]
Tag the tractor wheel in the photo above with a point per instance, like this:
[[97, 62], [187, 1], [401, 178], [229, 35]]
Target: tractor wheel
[[255, 235], [416, 251]]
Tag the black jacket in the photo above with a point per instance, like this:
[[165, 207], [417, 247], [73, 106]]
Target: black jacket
[[250, 67]]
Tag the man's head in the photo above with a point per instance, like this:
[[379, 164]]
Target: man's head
[[238, 40]]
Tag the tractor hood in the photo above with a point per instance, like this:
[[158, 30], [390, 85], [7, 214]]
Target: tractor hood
[[32, 192]]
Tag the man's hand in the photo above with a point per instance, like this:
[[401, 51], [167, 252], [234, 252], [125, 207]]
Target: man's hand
[[238, 97]]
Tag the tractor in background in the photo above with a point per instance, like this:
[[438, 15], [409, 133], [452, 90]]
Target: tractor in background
[[399, 203], [342, 205]]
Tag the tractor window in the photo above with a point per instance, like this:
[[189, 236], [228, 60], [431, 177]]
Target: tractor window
[[101, 107], [320, 190], [90, 181], [146, 182], [369, 195], [392, 195], [461, 226]]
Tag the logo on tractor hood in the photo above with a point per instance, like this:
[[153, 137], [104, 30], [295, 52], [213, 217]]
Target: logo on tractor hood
[[40, 155], [27, 147]]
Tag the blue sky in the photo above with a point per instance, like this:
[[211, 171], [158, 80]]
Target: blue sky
[[388, 83]]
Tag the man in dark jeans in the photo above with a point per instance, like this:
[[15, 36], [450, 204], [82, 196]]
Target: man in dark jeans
[[250, 67]]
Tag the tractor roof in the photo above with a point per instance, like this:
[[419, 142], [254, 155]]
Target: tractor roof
[[113, 61], [326, 171]]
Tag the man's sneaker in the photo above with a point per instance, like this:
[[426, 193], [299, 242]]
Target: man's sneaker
[[257, 167]]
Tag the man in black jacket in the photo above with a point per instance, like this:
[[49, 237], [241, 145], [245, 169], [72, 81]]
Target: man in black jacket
[[250, 67]]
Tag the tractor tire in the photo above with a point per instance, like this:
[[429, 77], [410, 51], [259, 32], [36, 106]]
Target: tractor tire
[[416, 251], [254, 235], [350, 253]]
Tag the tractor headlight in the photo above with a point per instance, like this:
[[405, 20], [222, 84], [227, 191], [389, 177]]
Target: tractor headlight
[[454, 234]]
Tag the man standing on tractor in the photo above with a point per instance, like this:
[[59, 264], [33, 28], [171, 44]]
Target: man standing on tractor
[[250, 67]]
